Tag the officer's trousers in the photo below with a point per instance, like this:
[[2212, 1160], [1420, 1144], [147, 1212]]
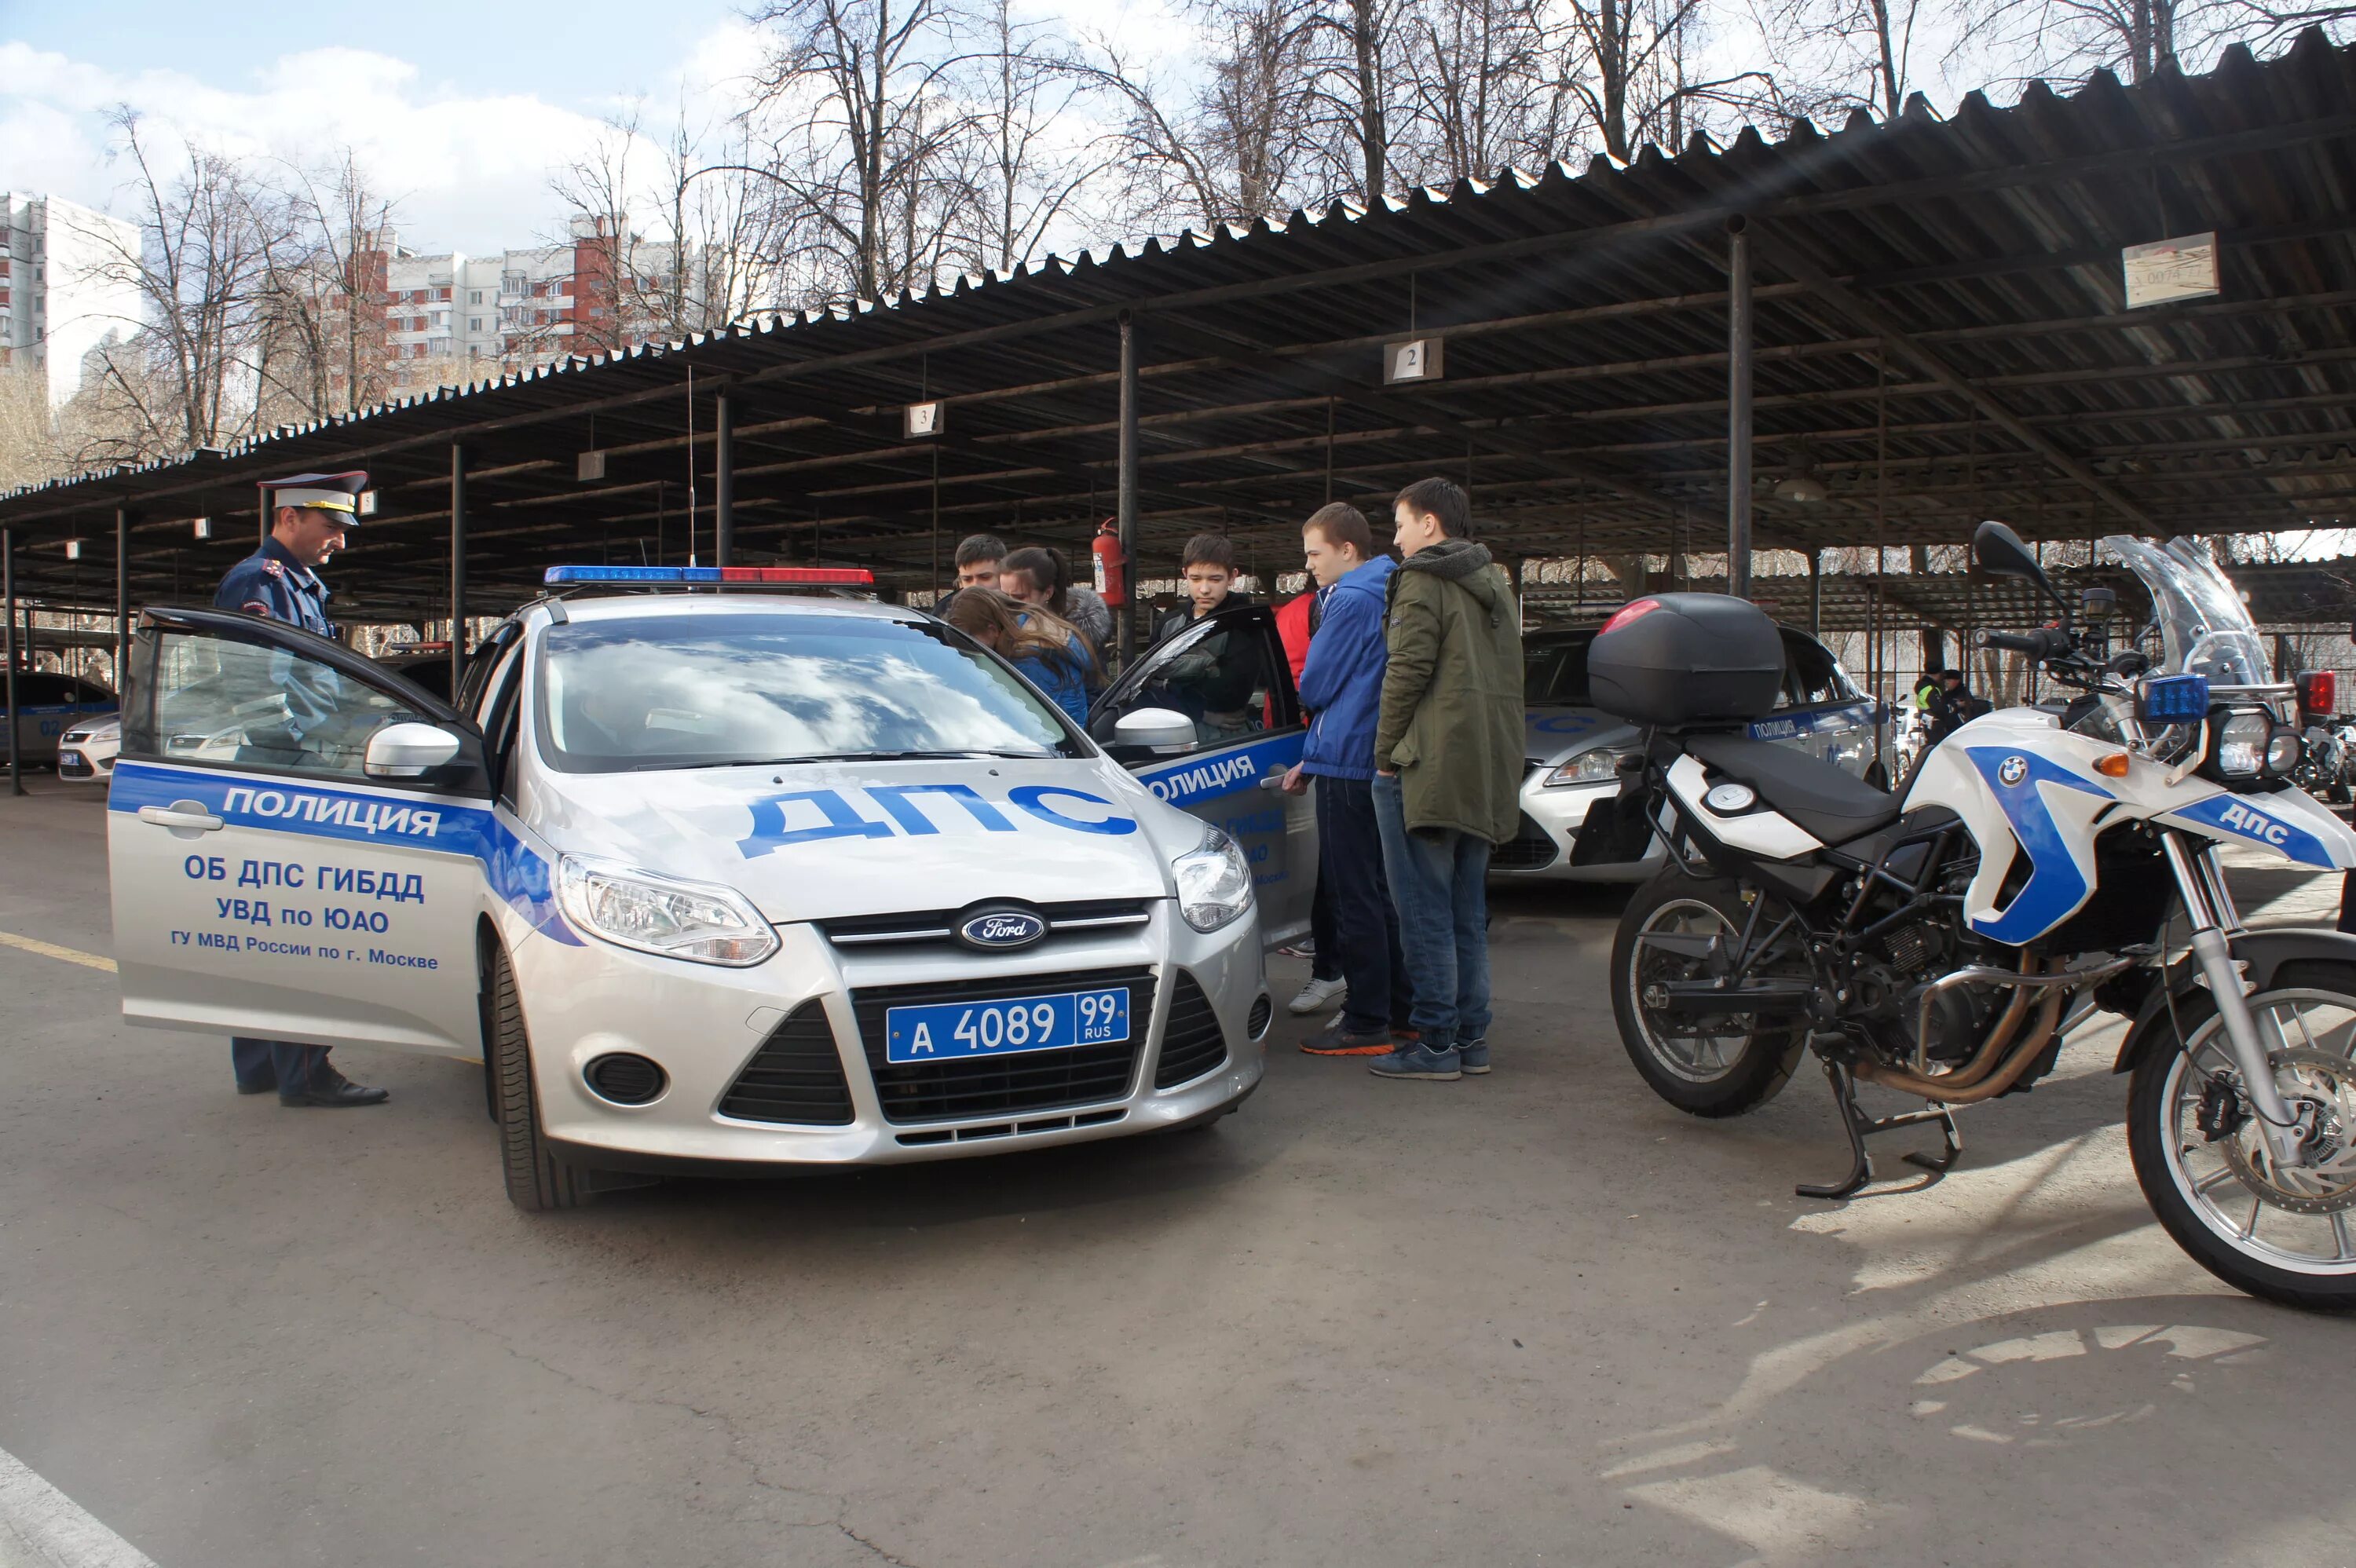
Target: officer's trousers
[[279, 1064]]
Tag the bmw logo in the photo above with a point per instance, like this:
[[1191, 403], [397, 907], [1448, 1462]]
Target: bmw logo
[[2014, 769], [999, 930]]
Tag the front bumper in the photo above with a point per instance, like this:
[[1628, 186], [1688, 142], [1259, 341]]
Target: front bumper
[[73, 762], [1551, 821], [705, 1026]]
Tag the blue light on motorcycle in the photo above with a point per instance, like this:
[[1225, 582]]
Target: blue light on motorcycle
[[2173, 700]]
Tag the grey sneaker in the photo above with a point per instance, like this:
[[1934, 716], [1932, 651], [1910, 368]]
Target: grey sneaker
[[1473, 1056], [1419, 1062]]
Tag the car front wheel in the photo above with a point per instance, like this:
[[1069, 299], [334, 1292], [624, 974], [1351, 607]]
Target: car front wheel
[[536, 1181]]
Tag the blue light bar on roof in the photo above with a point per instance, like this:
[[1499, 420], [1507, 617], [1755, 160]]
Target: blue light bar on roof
[[803, 576]]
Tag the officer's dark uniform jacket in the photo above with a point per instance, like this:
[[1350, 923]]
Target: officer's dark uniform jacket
[[271, 583]]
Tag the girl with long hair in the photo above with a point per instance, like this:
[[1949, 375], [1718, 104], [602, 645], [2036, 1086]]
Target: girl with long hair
[[1049, 651]]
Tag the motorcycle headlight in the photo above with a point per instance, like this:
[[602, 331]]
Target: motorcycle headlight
[[1214, 882], [2239, 742], [2284, 753], [1601, 765], [654, 913]]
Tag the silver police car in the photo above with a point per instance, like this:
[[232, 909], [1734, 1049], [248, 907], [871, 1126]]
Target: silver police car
[[1574, 749], [711, 881]]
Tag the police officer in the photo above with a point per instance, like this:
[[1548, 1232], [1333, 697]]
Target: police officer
[[310, 514]]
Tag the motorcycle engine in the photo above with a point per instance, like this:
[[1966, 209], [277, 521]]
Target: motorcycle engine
[[1890, 989], [1959, 1021]]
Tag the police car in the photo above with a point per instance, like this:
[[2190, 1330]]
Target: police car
[[715, 881], [87, 751], [1574, 748]]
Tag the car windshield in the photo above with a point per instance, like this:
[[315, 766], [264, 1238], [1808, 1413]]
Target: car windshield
[[2205, 627], [1554, 670], [720, 690]]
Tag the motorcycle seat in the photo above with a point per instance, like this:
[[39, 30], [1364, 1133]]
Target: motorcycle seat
[[1811, 791]]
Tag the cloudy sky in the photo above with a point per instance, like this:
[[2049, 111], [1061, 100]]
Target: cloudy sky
[[459, 107]]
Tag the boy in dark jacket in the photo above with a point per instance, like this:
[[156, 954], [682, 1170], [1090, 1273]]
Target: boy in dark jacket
[[1341, 688]]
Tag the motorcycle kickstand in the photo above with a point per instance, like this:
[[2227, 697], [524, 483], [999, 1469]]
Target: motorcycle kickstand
[[1860, 1126]]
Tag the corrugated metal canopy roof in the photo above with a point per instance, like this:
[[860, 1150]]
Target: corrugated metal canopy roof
[[1940, 327]]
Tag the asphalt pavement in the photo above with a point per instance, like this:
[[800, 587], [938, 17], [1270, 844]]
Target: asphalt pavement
[[1538, 1317]]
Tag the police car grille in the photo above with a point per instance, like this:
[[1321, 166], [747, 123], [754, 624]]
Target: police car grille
[[1088, 917], [1527, 850], [796, 1076], [1032, 1081], [1193, 1043]]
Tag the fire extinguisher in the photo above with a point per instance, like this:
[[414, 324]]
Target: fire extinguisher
[[1111, 564]]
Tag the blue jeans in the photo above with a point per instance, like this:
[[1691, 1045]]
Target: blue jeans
[[1363, 921], [1440, 883]]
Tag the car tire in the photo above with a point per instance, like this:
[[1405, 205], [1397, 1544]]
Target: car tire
[[536, 1181]]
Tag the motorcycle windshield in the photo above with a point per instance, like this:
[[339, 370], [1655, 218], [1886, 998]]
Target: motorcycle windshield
[[2205, 627]]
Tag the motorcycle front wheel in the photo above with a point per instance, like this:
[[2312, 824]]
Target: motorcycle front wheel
[[1707, 1065], [2286, 1234]]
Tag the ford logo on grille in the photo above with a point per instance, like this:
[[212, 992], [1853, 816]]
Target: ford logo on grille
[[1002, 929]]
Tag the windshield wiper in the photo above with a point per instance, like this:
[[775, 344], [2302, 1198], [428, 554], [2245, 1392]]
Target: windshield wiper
[[918, 757]]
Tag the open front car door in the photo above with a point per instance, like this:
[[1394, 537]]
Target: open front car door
[[299, 842]]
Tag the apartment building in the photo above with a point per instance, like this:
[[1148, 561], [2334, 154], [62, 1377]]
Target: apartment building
[[452, 319], [64, 290]]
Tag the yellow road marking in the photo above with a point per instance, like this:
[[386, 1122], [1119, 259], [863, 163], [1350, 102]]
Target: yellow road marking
[[51, 950]]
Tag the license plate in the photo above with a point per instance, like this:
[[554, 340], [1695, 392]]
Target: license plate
[[1007, 1026]]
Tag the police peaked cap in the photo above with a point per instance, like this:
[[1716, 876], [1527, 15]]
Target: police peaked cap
[[319, 492]]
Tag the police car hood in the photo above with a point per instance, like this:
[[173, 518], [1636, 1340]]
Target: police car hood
[[826, 841], [1553, 734]]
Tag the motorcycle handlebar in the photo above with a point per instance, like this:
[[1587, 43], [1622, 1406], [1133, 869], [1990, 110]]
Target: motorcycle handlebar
[[2045, 643]]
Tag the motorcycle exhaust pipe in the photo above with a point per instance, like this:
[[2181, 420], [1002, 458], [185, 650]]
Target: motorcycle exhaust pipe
[[1945, 1088], [2000, 1035]]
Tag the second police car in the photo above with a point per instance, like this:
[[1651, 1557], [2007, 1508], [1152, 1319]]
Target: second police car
[[1574, 750], [718, 880]]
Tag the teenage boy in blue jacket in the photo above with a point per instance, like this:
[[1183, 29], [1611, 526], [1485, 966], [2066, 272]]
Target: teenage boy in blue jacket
[[1341, 688]]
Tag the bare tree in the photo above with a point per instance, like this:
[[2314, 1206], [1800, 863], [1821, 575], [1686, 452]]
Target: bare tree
[[1023, 172], [864, 91], [1631, 66], [595, 191], [1230, 144], [1478, 81], [186, 376]]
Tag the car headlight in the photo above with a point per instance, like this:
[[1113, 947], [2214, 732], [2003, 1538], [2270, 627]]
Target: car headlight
[[662, 915], [1600, 765], [1214, 882], [75, 736]]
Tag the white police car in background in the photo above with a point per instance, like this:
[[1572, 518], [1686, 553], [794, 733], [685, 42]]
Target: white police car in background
[[86, 751], [710, 880], [1574, 749]]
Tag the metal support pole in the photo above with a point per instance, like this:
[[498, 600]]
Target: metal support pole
[[121, 595], [1815, 593], [8, 593], [1127, 509], [1737, 408], [723, 481], [458, 567]]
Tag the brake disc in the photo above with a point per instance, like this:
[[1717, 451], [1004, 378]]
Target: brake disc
[[2320, 1089]]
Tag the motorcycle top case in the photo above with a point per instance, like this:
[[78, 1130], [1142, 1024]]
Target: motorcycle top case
[[1693, 659]]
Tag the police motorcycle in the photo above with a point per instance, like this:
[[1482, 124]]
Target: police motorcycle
[[2043, 863]]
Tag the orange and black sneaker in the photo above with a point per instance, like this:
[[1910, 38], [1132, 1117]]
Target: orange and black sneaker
[[1337, 1040]]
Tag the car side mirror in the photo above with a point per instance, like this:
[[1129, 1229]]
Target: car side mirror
[[1157, 728], [409, 751]]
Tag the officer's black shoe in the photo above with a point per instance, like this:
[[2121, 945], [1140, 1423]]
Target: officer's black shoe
[[271, 1088], [331, 1089]]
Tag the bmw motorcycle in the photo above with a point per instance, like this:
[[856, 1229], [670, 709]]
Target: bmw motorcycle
[[2040, 865]]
